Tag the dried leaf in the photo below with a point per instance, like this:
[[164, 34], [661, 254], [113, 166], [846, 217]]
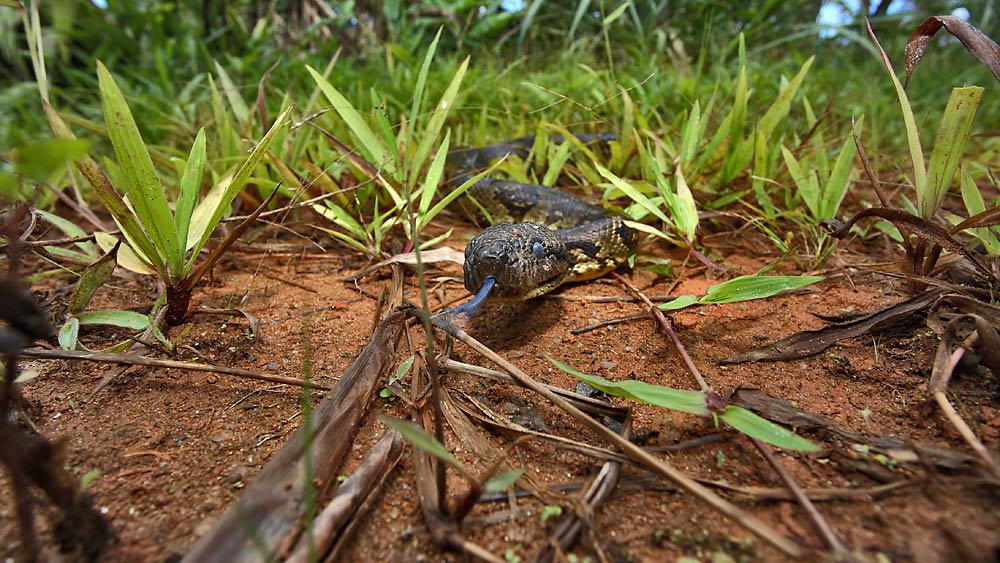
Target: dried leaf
[[975, 41], [810, 342]]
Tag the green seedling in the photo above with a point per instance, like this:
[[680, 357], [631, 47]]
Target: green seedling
[[696, 403], [164, 242], [743, 288]]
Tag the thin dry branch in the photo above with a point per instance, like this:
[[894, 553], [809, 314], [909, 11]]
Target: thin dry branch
[[642, 457], [156, 362]]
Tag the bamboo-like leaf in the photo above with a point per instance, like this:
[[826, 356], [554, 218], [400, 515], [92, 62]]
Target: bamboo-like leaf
[[752, 425], [692, 402], [190, 184], [681, 302], [71, 229], [92, 278], [806, 182], [747, 288], [840, 177], [127, 257], [420, 87], [684, 210], [141, 181]]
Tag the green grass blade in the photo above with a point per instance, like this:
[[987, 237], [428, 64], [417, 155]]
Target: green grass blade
[[502, 481], [633, 194], [431, 181], [190, 185], [747, 288], [240, 178], [949, 145], [421, 86], [692, 402], [421, 440], [912, 135], [438, 115], [806, 182], [840, 178], [752, 425], [236, 102], [140, 177], [371, 146]]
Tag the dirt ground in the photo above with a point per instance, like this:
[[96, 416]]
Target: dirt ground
[[173, 449]]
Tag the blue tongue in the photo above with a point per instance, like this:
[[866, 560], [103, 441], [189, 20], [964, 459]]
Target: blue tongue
[[470, 307]]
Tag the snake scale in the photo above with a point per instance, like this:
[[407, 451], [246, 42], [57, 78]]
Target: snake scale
[[542, 237]]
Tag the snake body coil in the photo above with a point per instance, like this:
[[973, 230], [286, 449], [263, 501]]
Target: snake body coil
[[542, 237]]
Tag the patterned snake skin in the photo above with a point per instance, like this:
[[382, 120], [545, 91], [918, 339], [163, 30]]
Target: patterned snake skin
[[542, 237]]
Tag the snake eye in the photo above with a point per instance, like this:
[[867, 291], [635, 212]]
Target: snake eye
[[538, 250]]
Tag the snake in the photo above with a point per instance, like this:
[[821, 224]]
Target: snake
[[541, 238]]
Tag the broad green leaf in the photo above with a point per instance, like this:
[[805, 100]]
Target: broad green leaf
[[190, 185], [403, 369], [747, 288], [421, 440], [692, 402], [376, 153], [752, 425], [127, 258], [949, 145], [111, 199], [40, 160], [115, 317], [68, 334], [681, 302], [137, 170], [502, 481], [91, 279]]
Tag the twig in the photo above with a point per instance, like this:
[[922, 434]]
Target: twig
[[669, 329], [663, 468], [156, 362], [817, 519], [584, 403], [609, 322]]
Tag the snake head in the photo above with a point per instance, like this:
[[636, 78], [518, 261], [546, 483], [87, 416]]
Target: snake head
[[527, 260]]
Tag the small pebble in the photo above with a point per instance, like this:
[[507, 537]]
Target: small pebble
[[271, 366]]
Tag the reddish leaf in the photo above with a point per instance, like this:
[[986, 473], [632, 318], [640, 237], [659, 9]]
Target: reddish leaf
[[975, 41]]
